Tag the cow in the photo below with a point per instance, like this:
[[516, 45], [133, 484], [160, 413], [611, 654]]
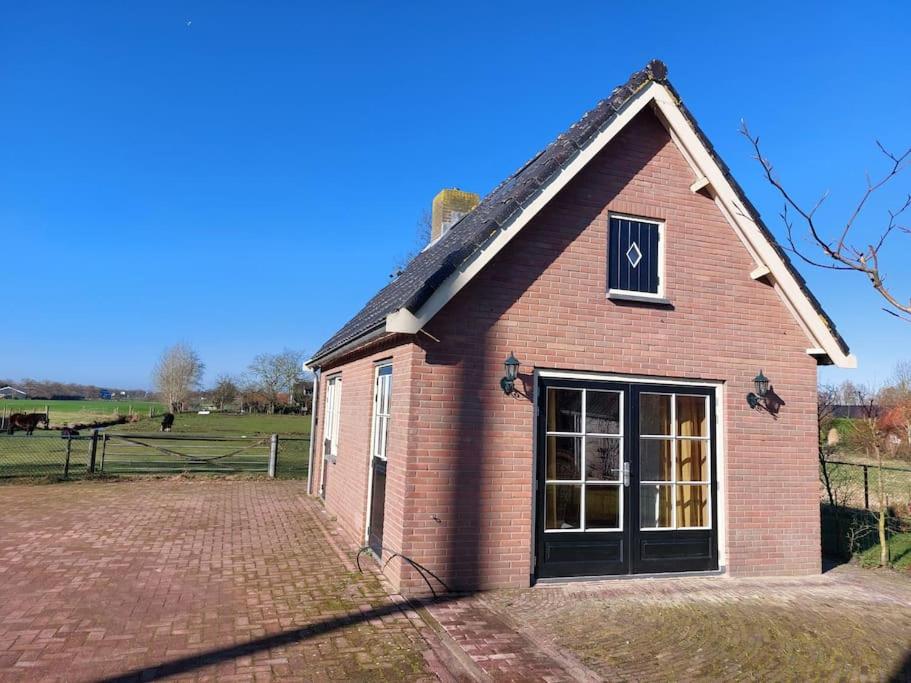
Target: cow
[[167, 421], [27, 422]]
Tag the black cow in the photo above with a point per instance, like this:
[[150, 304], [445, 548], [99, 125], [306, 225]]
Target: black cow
[[167, 421], [27, 422]]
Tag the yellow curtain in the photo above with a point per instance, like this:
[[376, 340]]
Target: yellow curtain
[[691, 503]]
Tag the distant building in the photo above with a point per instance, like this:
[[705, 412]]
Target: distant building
[[12, 392], [105, 394]]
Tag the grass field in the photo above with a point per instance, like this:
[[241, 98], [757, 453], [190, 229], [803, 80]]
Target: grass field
[[848, 482], [293, 432], [225, 423], [900, 549], [238, 444], [80, 412]]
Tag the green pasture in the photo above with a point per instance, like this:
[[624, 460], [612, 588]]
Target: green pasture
[[80, 412], [848, 484], [225, 423], [237, 444], [293, 432]]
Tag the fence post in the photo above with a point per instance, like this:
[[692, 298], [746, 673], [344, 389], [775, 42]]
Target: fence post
[[93, 452], [866, 489], [104, 448], [273, 454], [66, 464]]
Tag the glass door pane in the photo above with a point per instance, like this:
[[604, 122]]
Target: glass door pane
[[583, 460], [674, 466]]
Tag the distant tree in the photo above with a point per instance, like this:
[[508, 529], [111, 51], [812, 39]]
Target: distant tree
[[847, 393], [277, 373], [248, 391], [291, 367], [224, 392], [268, 375], [177, 373], [896, 402]]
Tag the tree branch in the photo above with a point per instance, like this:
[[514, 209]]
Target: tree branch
[[840, 254]]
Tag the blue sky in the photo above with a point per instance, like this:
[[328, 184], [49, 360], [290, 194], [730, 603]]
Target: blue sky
[[247, 181]]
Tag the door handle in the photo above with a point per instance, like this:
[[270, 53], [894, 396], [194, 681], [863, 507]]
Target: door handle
[[626, 473]]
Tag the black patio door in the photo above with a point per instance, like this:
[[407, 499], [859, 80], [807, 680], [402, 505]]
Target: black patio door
[[625, 479]]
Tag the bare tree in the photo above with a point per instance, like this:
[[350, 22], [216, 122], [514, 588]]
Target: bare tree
[[847, 392], [268, 375], [224, 392], [177, 373], [276, 373], [291, 367], [838, 248]]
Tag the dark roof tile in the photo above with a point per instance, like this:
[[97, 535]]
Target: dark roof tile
[[433, 265]]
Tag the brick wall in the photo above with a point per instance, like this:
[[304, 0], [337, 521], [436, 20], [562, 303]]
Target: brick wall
[[466, 497], [346, 495]]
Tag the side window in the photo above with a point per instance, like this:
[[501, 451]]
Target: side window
[[331, 417], [382, 396], [635, 256]]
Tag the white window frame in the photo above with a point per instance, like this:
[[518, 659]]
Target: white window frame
[[674, 438], [583, 481], [332, 417], [382, 402], [632, 293], [379, 423]]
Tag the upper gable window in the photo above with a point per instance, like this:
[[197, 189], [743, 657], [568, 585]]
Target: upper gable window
[[635, 257]]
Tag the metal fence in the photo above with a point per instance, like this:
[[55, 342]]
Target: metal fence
[[48, 454], [856, 485]]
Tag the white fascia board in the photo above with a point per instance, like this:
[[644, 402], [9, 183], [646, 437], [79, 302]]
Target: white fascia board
[[748, 229], [476, 262]]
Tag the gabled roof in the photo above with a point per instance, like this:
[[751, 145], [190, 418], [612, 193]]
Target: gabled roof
[[9, 388], [439, 272]]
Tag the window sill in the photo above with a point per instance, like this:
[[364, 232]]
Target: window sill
[[614, 295]]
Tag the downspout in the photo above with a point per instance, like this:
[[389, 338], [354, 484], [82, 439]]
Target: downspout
[[313, 407]]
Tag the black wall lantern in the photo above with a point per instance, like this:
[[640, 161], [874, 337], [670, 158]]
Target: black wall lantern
[[757, 399], [508, 383]]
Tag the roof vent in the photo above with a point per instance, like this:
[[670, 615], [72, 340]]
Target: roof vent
[[448, 208]]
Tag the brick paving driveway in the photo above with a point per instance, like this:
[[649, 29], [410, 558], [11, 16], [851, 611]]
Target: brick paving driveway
[[848, 624], [248, 580], [234, 580]]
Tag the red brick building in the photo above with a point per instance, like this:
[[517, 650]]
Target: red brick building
[[641, 294]]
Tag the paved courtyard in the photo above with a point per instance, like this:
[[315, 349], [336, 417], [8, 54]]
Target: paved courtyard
[[182, 579], [249, 580]]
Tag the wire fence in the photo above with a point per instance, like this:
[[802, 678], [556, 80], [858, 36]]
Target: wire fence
[[857, 485], [52, 455]]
